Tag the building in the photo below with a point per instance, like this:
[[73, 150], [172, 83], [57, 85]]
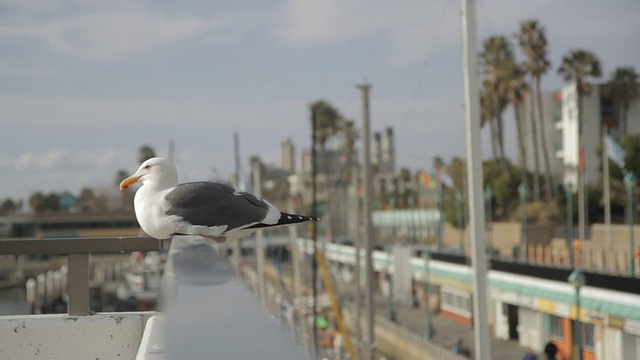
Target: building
[[552, 114], [288, 155], [561, 130], [531, 303], [335, 189], [598, 110]]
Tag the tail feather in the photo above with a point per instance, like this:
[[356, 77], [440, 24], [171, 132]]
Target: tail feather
[[286, 219]]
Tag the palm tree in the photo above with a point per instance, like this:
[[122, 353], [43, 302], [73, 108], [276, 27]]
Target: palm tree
[[327, 119], [145, 152], [533, 43], [579, 65], [497, 60], [349, 135], [516, 90], [623, 89], [486, 114]]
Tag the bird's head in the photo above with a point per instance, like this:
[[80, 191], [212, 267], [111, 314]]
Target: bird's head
[[157, 170]]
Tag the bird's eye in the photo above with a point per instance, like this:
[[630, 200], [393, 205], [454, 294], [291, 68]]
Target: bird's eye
[[147, 166]]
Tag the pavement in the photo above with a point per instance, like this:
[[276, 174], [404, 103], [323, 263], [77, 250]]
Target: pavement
[[447, 330]]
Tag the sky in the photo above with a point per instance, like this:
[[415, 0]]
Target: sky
[[84, 84]]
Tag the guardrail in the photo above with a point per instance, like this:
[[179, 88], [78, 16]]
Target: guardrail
[[77, 251], [432, 350]]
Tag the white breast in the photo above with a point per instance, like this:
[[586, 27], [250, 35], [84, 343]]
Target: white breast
[[150, 210]]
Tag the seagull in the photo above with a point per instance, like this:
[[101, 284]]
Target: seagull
[[214, 211]]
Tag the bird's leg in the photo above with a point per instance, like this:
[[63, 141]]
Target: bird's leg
[[218, 239]]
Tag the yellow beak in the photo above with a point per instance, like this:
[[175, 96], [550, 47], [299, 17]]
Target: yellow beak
[[126, 183]]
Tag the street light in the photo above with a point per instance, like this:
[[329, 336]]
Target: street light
[[578, 280], [428, 327], [568, 189], [630, 182], [488, 196], [460, 221], [390, 311], [522, 190]]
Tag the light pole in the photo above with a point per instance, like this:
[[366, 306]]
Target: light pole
[[428, 333], [522, 190], [488, 196], [390, 312], [568, 189], [460, 221], [630, 182], [578, 280]]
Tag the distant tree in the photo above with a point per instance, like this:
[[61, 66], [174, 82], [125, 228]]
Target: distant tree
[[623, 89], [497, 58], [505, 189], [347, 130], [498, 62], [145, 153], [516, 91], [8, 207], [86, 199], [579, 65], [631, 146], [533, 42], [126, 195], [52, 202], [89, 201], [327, 119], [457, 170], [36, 202]]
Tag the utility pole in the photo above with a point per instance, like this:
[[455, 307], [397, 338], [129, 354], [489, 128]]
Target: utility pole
[[357, 242], [474, 183], [607, 200], [314, 232], [237, 245], [257, 190], [297, 282], [367, 205]]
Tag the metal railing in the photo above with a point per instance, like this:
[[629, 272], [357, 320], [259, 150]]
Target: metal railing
[[433, 350], [77, 251]]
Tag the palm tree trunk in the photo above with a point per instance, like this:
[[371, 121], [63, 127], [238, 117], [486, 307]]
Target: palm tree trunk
[[503, 160], [582, 199], [494, 138], [521, 139], [536, 153], [623, 116], [549, 188]]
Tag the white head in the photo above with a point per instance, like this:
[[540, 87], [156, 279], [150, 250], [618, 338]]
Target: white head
[[157, 171]]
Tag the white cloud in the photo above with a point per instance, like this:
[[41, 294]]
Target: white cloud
[[52, 158], [111, 36], [413, 29], [62, 159], [24, 162]]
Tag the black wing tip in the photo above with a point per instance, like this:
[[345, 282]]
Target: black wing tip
[[286, 218]]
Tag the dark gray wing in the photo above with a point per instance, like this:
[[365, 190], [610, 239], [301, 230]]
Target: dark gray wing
[[211, 204]]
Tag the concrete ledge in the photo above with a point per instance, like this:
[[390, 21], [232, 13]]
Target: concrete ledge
[[153, 340], [100, 336]]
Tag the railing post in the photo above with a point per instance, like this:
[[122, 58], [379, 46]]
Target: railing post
[[78, 284]]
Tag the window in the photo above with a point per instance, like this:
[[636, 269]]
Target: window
[[456, 301], [556, 327], [589, 336]]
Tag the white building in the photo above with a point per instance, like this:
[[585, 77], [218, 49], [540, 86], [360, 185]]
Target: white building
[[598, 110]]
